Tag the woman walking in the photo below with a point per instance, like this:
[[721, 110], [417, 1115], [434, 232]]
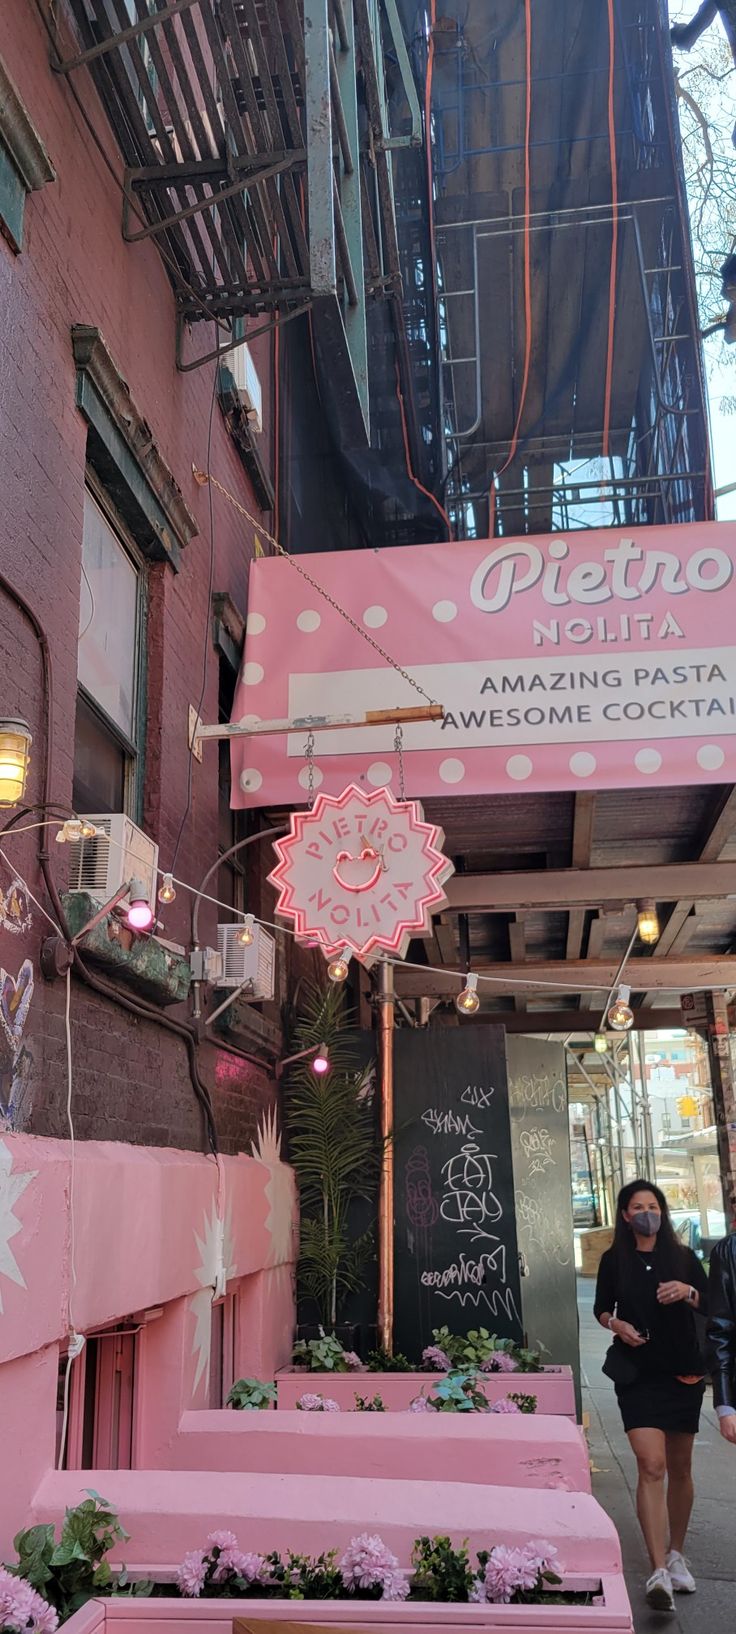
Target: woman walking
[[649, 1288]]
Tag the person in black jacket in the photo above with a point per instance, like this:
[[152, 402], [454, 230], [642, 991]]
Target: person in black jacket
[[649, 1288], [722, 1334]]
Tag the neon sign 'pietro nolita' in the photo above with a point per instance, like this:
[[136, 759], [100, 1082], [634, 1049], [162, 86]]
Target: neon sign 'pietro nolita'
[[628, 572]]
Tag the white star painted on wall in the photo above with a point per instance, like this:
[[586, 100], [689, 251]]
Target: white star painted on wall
[[12, 1186], [280, 1190], [215, 1256]]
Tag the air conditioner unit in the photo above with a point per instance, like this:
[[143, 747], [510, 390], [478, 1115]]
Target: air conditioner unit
[[245, 374], [119, 853], [254, 964]]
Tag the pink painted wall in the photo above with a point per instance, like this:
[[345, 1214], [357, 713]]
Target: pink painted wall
[[524, 1451], [146, 1238], [168, 1512]]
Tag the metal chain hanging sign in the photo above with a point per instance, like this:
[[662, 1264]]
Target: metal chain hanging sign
[[361, 871]]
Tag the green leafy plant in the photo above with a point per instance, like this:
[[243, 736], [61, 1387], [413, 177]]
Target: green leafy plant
[[386, 1361], [525, 1404], [334, 1150], [323, 1355], [457, 1393], [251, 1395], [441, 1572], [75, 1569], [370, 1404], [478, 1348]]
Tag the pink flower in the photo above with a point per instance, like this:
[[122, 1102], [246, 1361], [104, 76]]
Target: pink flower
[[311, 1403], [21, 1608], [544, 1556], [351, 1358], [252, 1568], [436, 1359], [512, 1571], [505, 1406], [222, 1540], [419, 1405], [368, 1564], [191, 1574], [500, 1362], [506, 1571]]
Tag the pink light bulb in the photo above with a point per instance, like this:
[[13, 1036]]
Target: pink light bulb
[[320, 1064], [140, 915]]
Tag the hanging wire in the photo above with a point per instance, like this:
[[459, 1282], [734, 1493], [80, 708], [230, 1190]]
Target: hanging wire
[[309, 757], [206, 476], [399, 747]]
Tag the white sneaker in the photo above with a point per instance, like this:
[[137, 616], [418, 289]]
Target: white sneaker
[[659, 1591], [682, 1578]]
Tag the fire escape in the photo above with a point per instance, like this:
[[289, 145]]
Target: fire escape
[[257, 154]]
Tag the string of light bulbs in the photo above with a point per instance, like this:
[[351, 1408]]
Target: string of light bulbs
[[467, 1001]]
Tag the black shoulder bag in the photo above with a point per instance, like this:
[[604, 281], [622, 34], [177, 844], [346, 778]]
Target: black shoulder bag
[[618, 1366]]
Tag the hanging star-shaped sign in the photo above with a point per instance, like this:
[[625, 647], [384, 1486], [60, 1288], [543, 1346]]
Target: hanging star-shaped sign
[[361, 871]]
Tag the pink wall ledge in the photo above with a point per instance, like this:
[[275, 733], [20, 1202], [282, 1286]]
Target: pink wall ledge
[[534, 1451], [168, 1513], [613, 1616]]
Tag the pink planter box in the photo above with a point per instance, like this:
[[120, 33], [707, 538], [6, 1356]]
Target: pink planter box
[[553, 1387], [367, 1617], [168, 1512], [522, 1451]]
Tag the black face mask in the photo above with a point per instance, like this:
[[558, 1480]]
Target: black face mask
[[645, 1223]]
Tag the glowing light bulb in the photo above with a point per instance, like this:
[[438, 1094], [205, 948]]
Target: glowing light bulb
[[647, 922], [601, 1044], [621, 1016], [140, 912], [167, 893], [15, 751], [321, 1062], [245, 935], [467, 1002], [338, 969]]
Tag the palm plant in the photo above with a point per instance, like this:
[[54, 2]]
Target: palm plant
[[333, 1149]]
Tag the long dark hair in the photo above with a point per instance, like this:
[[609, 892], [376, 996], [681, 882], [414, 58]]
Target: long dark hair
[[672, 1254]]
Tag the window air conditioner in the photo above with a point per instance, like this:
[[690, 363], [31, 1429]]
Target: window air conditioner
[[245, 374], [254, 964], [121, 852]]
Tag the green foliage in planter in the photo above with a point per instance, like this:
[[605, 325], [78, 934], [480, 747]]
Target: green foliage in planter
[[457, 1393], [251, 1395], [441, 1572], [478, 1347], [525, 1404], [370, 1404], [386, 1361], [334, 1151], [323, 1355], [72, 1571]]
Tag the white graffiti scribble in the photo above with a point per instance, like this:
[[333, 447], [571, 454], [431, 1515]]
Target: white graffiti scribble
[[449, 1123], [469, 1201], [536, 1144]]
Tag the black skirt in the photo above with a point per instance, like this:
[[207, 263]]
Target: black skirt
[[658, 1401]]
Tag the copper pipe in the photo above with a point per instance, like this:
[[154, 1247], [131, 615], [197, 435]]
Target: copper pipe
[[386, 1193]]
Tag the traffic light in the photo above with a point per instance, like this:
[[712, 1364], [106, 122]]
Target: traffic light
[[687, 1106]]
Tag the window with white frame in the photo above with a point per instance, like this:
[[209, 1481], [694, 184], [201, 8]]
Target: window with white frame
[[106, 750]]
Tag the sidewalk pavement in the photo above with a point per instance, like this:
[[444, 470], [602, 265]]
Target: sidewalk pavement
[[711, 1545]]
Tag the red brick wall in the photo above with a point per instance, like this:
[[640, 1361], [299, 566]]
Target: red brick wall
[[131, 1077]]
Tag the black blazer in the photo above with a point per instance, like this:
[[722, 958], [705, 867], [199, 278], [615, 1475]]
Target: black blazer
[[722, 1323]]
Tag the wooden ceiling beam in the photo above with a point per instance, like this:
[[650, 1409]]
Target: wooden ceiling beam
[[566, 1021], [589, 887], [535, 976]]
